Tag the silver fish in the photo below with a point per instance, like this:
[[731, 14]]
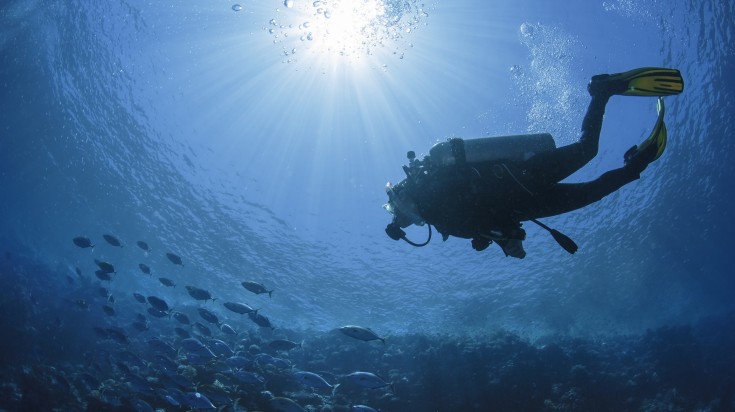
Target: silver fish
[[358, 332], [312, 380], [198, 401], [260, 320], [241, 308], [283, 345], [256, 288], [203, 329], [158, 303], [181, 318], [220, 348], [362, 408], [199, 294], [208, 316], [368, 380], [175, 259], [82, 242], [227, 329], [112, 240], [140, 298], [144, 268], [285, 405], [105, 266], [167, 282]]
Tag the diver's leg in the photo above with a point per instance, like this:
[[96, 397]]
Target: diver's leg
[[550, 167], [565, 197]]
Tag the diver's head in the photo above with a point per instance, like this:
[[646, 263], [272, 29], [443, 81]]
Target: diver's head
[[401, 205]]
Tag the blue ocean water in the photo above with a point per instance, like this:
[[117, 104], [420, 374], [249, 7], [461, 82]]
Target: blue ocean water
[[255, 143]]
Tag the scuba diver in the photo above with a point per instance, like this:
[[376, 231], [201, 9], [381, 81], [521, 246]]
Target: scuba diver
[[483, 189]]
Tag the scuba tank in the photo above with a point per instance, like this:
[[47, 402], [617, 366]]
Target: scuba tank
[[490, 149]]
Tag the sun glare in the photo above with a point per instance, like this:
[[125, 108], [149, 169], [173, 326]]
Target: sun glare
[[351, 28]]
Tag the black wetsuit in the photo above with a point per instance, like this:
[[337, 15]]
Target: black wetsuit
[[471, 200]]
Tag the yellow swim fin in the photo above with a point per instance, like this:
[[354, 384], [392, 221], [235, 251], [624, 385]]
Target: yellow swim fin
[[645, 81], [638, 157]]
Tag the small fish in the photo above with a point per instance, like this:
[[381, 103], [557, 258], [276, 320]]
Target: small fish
[[82, 242], [158, 303], [78, 271], [192, 345], [139, 405], [112, 240], [220, 348], [279, 404], [203, 329], [141, 317], [167, 282], [181, 318], [311, 380], [102, 275], [157, 313], [118, 335], [227, 329], [266, 359], [82, 303], [248, 378], [260, 320], [368, 380], [362, 408], [111, 299], [171, 400], [199, 294], [141, 244], [144, 268], [175, 259], [216, 394], [105, 266], [104, 292], [241, 308], [358, 332], [208, 316], [195, 347], [283, 345], [109, 310], [256, 288], [140, 298], [182, 332], [198, 401]]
